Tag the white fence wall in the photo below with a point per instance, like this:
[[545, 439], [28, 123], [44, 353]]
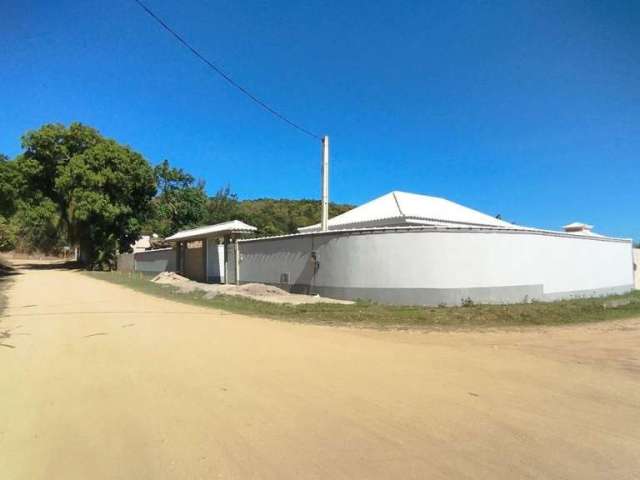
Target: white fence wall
[[441, 266], [155, 261], [636, 261]]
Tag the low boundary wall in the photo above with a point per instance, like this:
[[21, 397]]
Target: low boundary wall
[[432, 266], [125, 262], [149, 261]]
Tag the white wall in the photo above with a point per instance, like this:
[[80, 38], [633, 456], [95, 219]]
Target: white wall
[[215, 261], [266, 260], [431, 266], [636, 261], [155, 261]]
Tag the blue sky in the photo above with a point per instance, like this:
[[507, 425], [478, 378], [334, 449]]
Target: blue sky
[[527, 109]]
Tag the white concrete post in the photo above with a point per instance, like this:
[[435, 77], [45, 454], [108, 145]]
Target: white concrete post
[[237, 255], [226, 260], [325, 184]]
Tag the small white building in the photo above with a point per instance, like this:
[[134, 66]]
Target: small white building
[[142, 244], [203, 253], [580, 228]]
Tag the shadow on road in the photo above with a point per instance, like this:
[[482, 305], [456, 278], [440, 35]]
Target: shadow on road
[[6, 272], [6, 269], [46, 265], [4, 334]]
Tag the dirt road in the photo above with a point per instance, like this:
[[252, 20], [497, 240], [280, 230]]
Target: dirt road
[[101, 382]]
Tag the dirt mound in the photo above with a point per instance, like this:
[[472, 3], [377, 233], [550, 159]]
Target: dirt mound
[[256, 291], [183, 284], [169, 277], [260, 289]]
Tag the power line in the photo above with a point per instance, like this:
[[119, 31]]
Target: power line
[[224, 75]]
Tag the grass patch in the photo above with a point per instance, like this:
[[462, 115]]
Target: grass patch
[[369, 314]]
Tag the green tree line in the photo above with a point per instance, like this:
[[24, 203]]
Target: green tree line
[[71, 186]]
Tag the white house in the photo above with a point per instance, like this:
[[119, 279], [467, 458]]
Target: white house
[[415, 249]]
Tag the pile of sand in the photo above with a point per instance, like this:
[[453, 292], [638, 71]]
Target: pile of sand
[[171, 278], [256, 291], [259, 289], [183, 284]]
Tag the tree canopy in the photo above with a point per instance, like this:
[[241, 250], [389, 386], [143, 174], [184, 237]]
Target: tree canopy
[[270, 216], [283, 216], [9, 187], [106, 191], [8, 202], [181, 201], [74, 186], [71, 186]]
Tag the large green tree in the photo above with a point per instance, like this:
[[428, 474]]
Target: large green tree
[[47, 151], [100, 190], [107, 190]]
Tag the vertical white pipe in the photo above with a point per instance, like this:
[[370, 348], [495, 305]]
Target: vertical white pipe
[[325, 184]]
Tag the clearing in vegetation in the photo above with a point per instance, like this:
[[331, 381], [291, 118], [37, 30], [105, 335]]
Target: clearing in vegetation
[[369, 314]]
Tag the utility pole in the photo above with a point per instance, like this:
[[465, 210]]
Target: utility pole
[[325, 184]]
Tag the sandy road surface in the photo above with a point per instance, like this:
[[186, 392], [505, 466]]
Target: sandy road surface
[[106, 383]]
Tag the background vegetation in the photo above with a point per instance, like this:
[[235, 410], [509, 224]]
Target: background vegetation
[[271, 216], [72, 187]]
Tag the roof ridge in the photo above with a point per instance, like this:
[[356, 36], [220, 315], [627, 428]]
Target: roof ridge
[[397, 203]]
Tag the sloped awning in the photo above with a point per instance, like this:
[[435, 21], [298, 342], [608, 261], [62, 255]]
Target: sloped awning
[[219, 230]]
